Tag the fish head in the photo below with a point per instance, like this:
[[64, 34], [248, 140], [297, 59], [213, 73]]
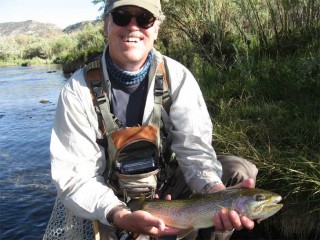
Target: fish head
[[257, 204]]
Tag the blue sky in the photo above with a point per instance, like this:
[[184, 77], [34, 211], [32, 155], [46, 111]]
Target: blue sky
[[60, 12]]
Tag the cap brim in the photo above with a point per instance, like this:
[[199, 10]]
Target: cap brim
[[141, 4]]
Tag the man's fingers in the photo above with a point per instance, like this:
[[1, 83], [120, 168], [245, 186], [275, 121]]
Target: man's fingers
[[248, 183], [226, 220], [160, 225], [222, 221], [235, 220], [218, 222], [160, 229], [229, 220], [168, 197], [247, 223]]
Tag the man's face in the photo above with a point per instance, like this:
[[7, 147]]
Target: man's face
[[129, 45]]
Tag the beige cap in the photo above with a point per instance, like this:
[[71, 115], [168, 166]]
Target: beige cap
[[152, 6]]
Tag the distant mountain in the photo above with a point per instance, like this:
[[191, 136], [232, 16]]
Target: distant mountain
[[79, 26], [29, 27], [35, 28]]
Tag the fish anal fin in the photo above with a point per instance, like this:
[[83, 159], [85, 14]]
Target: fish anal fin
[[188, 234]]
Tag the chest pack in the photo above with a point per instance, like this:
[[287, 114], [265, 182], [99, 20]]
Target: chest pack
[[134, 154]]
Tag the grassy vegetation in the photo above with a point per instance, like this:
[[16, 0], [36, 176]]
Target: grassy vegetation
[[68, 49], [258, 64], [269, 114]]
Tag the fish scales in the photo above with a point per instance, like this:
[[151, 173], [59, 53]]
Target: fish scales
[[197, 212]]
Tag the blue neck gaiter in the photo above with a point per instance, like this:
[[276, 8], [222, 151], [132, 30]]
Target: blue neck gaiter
[[126, 77]]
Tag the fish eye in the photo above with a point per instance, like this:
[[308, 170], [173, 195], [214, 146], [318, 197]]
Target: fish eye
[[259, 197]]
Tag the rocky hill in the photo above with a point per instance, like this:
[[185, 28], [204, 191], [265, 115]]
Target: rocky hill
[[79, 26], [29, 27], [35, 28]]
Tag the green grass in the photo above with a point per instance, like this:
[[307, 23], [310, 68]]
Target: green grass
[[268, 111]]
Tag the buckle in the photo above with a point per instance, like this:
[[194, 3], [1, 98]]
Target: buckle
[[98, 90], [158, 85], [147, 194]]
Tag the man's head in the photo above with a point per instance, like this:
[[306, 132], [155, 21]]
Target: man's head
[[131, 27]]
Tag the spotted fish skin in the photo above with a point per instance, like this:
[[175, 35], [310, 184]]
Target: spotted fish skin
[[197, 212]]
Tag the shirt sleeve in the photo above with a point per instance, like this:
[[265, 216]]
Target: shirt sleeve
[[192, 130], [77, 161]]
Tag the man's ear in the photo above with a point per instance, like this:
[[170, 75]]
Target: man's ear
[[156, 31], [105, 27]]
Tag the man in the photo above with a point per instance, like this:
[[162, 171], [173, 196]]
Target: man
[[129, 64]]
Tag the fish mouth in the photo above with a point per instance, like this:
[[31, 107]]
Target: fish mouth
[[274, 202], [270, 208]]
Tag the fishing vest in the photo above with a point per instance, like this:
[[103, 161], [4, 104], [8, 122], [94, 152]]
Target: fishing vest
[[135, 155]]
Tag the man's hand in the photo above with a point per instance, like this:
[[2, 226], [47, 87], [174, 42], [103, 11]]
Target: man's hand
[[229, 220], [143, 222]]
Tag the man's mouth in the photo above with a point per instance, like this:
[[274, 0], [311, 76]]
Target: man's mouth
[[131, 40]]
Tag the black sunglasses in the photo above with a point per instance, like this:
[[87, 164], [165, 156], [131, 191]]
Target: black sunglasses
[[122, 18]]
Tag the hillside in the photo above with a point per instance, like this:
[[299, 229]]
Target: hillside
[[34, 28], [29, 27], [79, 26]]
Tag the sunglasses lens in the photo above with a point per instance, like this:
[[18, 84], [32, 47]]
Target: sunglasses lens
[[145, 20], [122, 18]]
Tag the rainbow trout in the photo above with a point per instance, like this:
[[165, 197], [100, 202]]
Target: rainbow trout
[[197, 212]]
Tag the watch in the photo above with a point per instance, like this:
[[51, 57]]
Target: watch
[[112, 213]]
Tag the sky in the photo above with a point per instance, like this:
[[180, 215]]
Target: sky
[[59, 12]]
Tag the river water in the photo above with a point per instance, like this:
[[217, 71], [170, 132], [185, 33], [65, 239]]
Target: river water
[[26, 191]]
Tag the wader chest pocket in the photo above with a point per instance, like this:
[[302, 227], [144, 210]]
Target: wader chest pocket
[[137, 166]]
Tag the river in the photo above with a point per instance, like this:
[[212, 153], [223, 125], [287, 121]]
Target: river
[[26, 191]]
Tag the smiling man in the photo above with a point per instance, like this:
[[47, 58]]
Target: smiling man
[[130, 43], [102, 182]]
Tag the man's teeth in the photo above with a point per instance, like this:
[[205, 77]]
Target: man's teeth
[[131, 40]]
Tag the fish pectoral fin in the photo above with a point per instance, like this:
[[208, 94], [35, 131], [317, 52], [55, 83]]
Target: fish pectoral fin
[[261, 219], [222, 207], [188, 234]]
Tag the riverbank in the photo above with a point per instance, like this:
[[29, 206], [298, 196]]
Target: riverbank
[[26, 62]]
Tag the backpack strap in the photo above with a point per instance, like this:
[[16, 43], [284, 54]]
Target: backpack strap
[[158, 94], [108, 123], [162, 93], [166, 97]]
